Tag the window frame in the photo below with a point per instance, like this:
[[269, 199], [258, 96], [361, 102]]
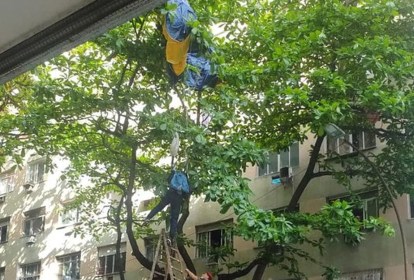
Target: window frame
[[32, 176], [69, 258], [9, 185], [340, 147], [103, 270], [275, 161], [24, 268], [68, 217], [31, 217], [411, 206], [226, 239], [364, 196], [4, 223]]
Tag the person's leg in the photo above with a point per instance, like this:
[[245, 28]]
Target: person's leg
[[165, 200], [175, 208]]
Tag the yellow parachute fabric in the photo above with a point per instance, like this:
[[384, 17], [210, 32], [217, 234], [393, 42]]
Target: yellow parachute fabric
[[176, 51]]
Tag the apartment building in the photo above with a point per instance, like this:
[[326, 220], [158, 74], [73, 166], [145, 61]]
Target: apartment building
[[376, 257], [38, 241]]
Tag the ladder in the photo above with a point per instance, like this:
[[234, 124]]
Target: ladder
[[168, 258]]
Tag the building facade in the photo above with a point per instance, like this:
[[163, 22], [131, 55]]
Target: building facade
[[376, 257], [38, 238]]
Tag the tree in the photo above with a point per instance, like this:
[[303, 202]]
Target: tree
[[13, 96], [304, 64], [288, 69]]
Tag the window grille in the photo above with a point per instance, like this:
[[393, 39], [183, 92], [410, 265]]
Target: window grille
[[4, 229], [36, 172], [69, 266], [30, 271], [108, 263], [275, 161], [34, 222], [212, 238], [362, 140]]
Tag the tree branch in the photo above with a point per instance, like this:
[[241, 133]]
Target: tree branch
[[180, 244], [242, 272], [309, 175], [129, 224]]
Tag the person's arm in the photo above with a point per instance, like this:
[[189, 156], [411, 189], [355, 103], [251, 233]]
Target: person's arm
[[192, 275]]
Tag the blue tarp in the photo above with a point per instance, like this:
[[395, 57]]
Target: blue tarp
[[177, 20]]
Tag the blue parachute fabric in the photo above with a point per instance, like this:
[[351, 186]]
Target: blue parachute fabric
[[202, 75], [176, 21]]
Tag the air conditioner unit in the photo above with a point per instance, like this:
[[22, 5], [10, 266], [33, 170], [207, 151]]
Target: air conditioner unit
[[29, 186], [2, 198], [31, 240]]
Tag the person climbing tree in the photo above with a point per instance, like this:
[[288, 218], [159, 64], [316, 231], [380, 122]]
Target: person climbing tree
[[178, 188]]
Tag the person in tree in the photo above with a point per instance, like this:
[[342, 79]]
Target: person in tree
[[177, 190], [205, 276]]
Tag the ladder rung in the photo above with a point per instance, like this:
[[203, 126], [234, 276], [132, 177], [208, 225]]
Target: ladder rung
[[177, 269], [168, 257]]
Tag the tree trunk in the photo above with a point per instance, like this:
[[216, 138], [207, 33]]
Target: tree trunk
[[185, 210], [260, 269], [129, 221], [119, 239], [308, 175]]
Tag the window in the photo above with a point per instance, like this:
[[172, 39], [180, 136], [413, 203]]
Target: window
[[4, 226], [362, 140], [108, 264], [34, 222], [411, 206], [69, 267], [69, 216], [30, 271], [148, 204], [374, 274], [366, 205], [288, 158], [6, 184], [36, 171], [214, 239], [2, 272]]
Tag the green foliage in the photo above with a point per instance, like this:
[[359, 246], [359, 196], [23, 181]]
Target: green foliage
[[331, 273]]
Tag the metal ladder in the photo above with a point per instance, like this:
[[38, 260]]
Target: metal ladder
[[168, 259]]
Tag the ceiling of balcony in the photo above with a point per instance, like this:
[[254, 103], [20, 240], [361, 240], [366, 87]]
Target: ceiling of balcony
[[32, 31]]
